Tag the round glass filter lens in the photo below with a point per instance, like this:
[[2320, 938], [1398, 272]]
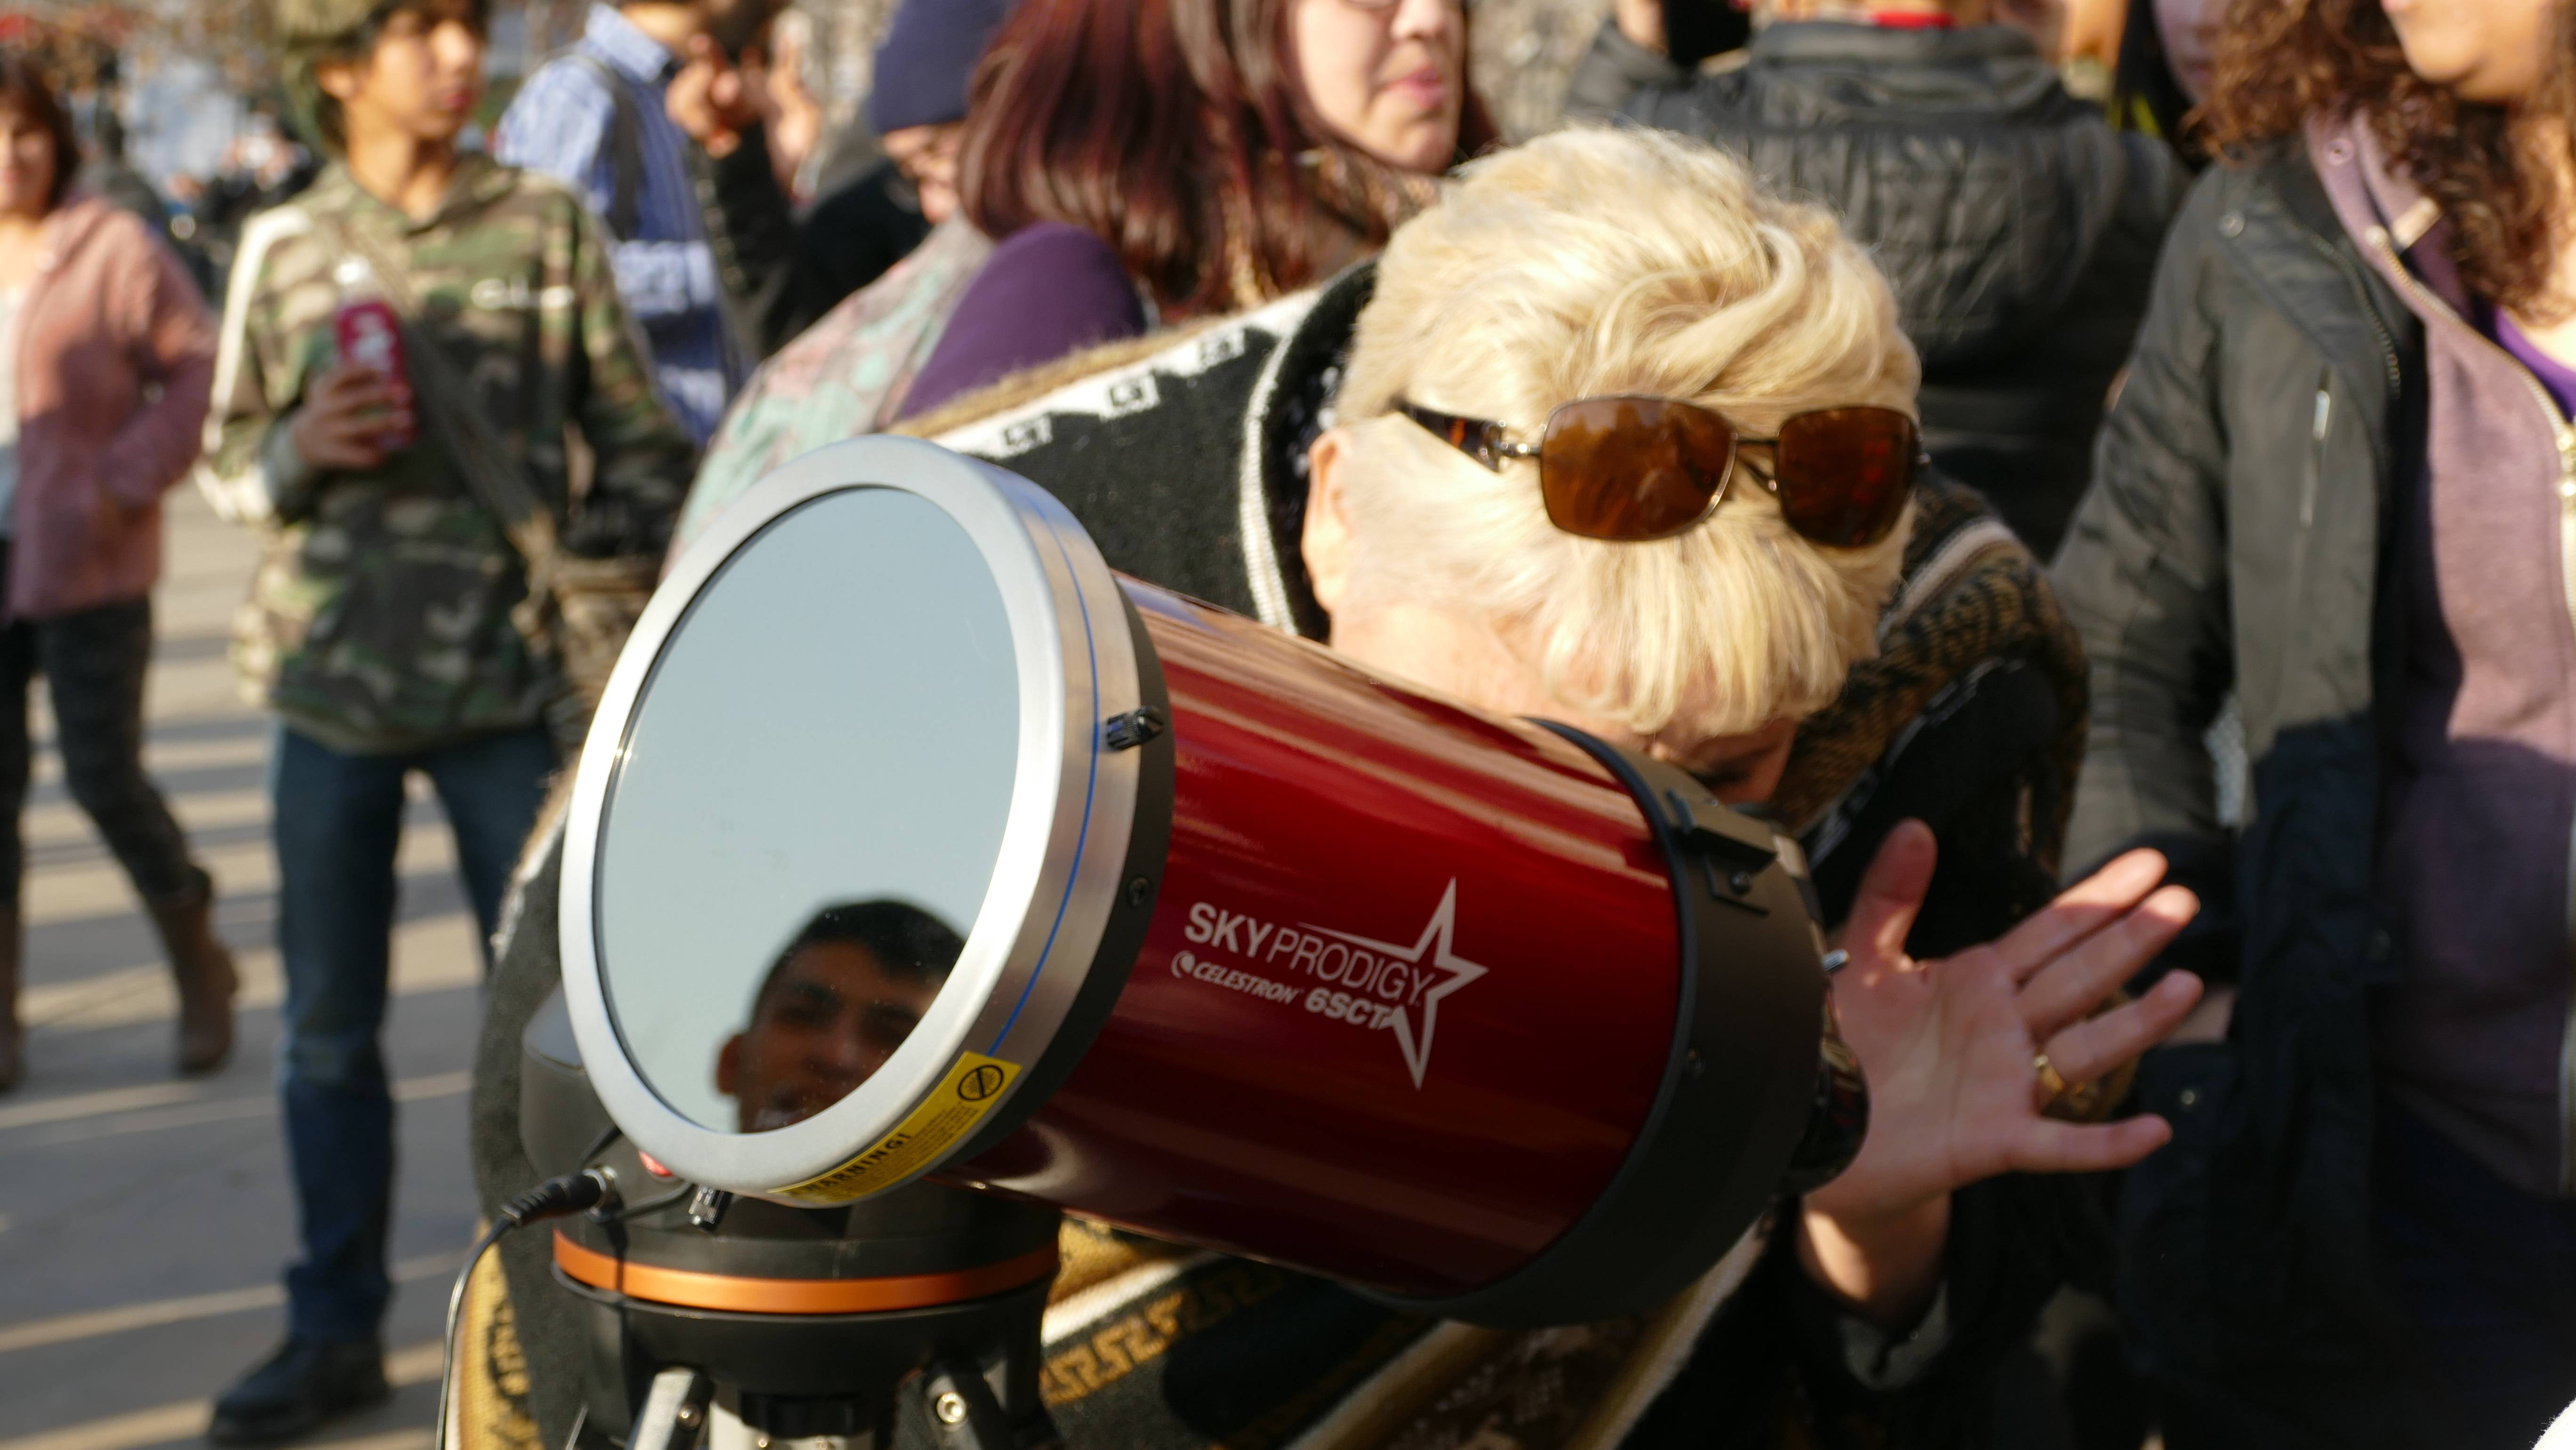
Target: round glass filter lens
[[808, 810]]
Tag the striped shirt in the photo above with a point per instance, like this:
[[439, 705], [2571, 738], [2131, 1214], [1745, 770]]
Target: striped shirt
[[563, 122]]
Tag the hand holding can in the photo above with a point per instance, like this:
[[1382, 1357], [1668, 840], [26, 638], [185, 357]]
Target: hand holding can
[[370, 337], [351, 419]]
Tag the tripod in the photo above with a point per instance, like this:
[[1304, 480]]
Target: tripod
[[910, 1319]]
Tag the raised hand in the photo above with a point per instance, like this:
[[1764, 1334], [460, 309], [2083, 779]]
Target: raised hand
[[1952, 1052], [711, 99]]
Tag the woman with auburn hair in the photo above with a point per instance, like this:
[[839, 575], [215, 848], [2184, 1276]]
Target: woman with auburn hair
[[1228, 151], [1127, 163], [2339, 495], [107, 355]]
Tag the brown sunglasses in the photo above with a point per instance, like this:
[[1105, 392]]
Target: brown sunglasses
[[1632, 468]]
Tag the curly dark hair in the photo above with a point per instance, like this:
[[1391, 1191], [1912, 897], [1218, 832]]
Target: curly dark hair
[[2277, 62]]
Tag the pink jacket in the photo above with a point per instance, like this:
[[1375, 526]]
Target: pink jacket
[[110, 315]]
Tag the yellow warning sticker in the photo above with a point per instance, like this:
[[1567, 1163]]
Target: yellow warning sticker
[[973, 1085]]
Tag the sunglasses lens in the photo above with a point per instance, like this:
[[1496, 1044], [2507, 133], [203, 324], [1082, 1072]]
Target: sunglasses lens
[[1845, 474], [1631, 468]]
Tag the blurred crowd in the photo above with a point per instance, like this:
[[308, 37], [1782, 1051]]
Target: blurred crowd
[[2063, 461]]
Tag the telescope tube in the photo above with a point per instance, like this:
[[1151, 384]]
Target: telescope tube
[[1142, 910]]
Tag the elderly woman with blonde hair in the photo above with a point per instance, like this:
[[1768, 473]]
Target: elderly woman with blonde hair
[[1596, 284], [1614, 436]]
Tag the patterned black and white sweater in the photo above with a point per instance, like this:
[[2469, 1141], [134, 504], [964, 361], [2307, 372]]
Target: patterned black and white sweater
[[1184, 455]]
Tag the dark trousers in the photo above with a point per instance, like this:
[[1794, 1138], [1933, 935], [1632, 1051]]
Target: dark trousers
[[2488, 1273], [94, 661], [337, 820]]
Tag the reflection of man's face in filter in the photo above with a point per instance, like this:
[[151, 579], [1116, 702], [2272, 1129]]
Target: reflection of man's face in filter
[[827, 1020]]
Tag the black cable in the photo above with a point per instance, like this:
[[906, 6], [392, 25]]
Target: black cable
[[599, 1145], [554, 1198], [456, 1303], [557, 1197]]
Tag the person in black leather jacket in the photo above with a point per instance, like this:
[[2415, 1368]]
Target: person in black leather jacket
[[2338, 491], [2019, 229]]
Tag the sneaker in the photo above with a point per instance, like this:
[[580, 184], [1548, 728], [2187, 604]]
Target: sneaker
[[306, 1382]]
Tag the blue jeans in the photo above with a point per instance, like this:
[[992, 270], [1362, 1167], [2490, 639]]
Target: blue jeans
[[337, 820]]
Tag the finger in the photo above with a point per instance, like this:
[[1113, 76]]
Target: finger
[[346, 443], [327, 433], [1890, 896], [2079, 911], [2097, 1046], [354, 440], [2055, 1147], [366, 402], [2081, 978], [350, 396], [375, 390], [344, 458]]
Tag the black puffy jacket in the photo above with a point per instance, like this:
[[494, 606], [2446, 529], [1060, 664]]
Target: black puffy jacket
[[2234, 543], [2018, 228]]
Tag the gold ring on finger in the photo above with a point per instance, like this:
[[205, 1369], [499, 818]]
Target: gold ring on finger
[[2050, 1080], [2089, 1101]]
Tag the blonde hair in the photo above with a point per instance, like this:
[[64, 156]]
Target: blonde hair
[[1594, 262]]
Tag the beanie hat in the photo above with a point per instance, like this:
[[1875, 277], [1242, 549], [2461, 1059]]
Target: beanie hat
[[928, 57]]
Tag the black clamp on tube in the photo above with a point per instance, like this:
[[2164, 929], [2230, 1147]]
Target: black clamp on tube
[[1759, 1098]]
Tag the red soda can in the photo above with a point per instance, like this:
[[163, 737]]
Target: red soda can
[[370, 336]]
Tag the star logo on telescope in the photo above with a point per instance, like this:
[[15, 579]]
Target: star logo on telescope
[[1435, 945]]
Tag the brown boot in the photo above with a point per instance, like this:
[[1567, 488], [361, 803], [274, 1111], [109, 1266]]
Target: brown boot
[[13, 1038], [204, 969]]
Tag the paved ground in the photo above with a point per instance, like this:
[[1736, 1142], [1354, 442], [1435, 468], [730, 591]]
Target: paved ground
[[143, 1219]]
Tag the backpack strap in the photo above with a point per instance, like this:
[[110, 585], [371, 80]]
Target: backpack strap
[[626, 151]]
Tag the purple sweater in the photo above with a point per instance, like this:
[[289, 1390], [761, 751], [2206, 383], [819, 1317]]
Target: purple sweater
[[1048, 290], [2480, 789]]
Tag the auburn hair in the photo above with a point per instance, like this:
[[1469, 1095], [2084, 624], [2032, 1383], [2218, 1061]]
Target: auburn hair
[[2278, 62], [1178, 132], [24, 91]]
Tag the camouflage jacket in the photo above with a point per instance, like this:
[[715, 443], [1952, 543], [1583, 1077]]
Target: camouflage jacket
[[379, 620]]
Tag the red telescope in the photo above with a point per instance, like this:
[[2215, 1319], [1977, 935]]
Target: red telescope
[[911, 840]]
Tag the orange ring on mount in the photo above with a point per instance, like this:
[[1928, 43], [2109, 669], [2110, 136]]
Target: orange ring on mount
[[692, 1289]]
